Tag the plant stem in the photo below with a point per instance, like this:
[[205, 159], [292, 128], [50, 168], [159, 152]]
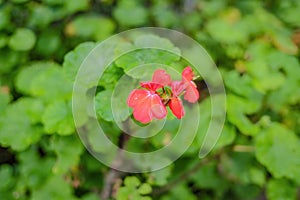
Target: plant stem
[[113, 175]]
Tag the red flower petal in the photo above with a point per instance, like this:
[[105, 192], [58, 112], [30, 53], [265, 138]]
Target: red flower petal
[[177, 87], [160, 76], [177, 107], [146, 105], [135, 97], [191, 93], [187, 74], [158, 109], [151, 86]]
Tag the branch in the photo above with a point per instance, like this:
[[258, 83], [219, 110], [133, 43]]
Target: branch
[[113, 176]]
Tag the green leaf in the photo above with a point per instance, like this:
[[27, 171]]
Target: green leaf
[[34, 109], [90, 196], [75, 6], [264, 78], [51, 84], [163, 14], [237, 167], [160, 177], [278, 189], [110, 77], [48, 43], [24, 78], [133, 189], [289, 13], [230, 28], [145, 188], [8, 60], [3, 40], [227, 135], [132, 181], [252, 191], [16, 125], [91, 27], [22, 40], [41, 16], [129, 13], [6, 174], [282, 40], [74, 59], [150, 49], [237, 111], [120, 94], [5, 18], [257, 176], [288, 92], [54, 188], [209, 178], [68, 150], [44, 80], [244, 88], [181, 191], [277, 148], [103, 105], [33, 169], [58, 118]]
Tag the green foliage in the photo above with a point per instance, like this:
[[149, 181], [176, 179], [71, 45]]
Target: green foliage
[[22, 40], [130, 13], [95, 27], [278, 149], [67, 158], [57, 118], [281, 189], [74, 59], [255, 45], [18, 127], [139, 53], [103, 105], [134, 189]]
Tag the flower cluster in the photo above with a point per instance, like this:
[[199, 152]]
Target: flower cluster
[[151, 100]]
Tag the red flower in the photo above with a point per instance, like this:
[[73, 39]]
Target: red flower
[[146, 105], [150, 102], [191, 93], [175, 103], [160, 76], [160, 79], [176, 107]]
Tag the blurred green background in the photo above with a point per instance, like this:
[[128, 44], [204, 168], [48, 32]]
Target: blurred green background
[[255, 45]]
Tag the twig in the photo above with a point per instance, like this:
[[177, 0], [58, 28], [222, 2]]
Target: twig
[[114, 175], [109, 181]]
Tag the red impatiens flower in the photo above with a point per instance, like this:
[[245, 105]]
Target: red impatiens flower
[[151, 102]]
